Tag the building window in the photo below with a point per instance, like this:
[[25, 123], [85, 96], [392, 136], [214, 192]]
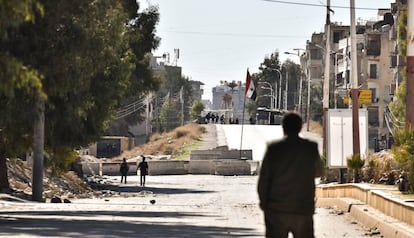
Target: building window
[[374, 95], [373, 116], [315, 54], [336, 37], [374, 45], [373, 71]]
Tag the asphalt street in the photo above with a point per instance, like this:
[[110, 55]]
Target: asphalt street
[[202, 206], [255, 137]]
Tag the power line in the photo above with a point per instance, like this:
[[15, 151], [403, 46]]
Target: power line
[[236, 34], [319, 5], [130, 108]]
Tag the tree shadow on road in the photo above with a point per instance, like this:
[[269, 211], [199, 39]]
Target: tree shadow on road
[[155, 190], [112, 224]]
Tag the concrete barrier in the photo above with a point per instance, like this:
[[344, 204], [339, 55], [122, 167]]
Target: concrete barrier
[[167, 167], [205, 155], [220, 154], [232, 167], [176, 167], [201, 167], [359, 199], [112, 168]]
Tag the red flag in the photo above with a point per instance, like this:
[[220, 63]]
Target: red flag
[[250, 90]]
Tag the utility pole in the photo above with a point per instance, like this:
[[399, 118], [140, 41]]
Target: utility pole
[[279, 101], [410, 66], [308, 103], [182, 105], [286, 89], [354, 80], [325, 99]]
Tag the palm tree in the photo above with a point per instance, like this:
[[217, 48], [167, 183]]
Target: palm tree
[[355, 163]]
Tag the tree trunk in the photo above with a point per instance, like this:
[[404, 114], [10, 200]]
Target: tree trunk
[[38, 145], [4, 178]]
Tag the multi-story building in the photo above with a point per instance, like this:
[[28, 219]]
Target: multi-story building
[[197, 89], [229, 101], [374, 48]]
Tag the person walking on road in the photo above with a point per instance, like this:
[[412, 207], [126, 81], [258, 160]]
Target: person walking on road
[[286, 185], [124, 168], [143, 168]]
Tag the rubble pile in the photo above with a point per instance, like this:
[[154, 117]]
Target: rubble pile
[[67, 185]]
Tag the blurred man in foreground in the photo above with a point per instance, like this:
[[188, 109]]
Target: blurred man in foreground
[[286, 184]]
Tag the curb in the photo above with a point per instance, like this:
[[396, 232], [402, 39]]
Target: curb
[[369, 217]]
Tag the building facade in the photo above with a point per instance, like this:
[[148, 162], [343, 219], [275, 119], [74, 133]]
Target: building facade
[[374, 50]]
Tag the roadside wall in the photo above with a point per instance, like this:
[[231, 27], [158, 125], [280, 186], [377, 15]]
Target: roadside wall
[[374, 197], [220, 154], [176, 167]]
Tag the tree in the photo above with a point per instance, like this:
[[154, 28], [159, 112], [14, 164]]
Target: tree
[[20, 85], [196, 109], [270, 70], [403, 151], [88, 53], [251, 109], [168, 117], [398, 105], [178, 88], [291, 80], [355, 163]]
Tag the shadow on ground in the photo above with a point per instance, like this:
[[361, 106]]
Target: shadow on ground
[[155, 190], [110, 224]]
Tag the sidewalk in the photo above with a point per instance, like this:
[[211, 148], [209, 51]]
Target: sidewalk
[[214, 137]]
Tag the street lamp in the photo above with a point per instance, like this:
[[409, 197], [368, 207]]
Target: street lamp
[[280, 86], [272, 103], [300, 81]]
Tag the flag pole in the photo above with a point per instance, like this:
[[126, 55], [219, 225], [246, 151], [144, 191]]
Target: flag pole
[[242, 126], [249, 92], [241, 134]]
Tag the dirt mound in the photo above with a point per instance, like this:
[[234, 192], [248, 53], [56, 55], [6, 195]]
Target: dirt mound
[[67, 185]]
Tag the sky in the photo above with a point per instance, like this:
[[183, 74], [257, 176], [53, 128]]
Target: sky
[[219, 40]]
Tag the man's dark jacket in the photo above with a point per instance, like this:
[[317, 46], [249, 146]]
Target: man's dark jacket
[[287, 176]]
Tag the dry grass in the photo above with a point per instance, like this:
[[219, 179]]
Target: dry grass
[[176, 142], [169, 143]]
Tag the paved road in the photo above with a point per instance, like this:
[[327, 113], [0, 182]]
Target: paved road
[[202, 206], [255, 137]]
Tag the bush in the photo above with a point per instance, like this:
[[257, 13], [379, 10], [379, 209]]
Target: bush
[[355, 163], [404, 151], [60, 159]]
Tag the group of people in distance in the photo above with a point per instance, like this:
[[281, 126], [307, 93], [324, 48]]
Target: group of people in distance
[[286, 184], [142, 167]]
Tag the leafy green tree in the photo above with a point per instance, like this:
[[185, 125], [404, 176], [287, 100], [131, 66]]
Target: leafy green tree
[[355, 163], [292, 74], [398, 106], [251, 108], [196, 109], [20, 84], [403, 151], [89, 54], [270, 70], [176, 87], [169, 119]]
